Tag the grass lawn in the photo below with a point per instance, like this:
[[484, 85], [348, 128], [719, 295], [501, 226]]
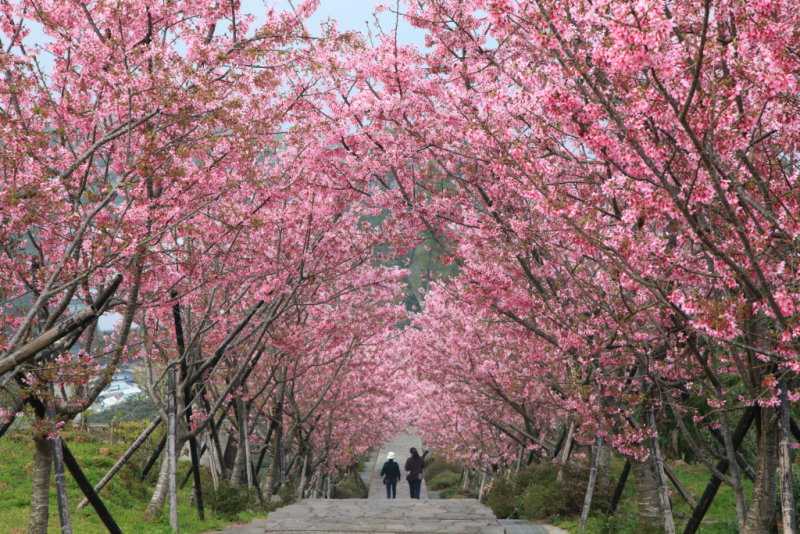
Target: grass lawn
[[126, 497], [720, 518]]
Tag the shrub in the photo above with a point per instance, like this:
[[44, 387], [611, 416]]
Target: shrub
[[453, 493], [288, 492], [545, 497], [444, 480], [349, 488], [438, 466], [228, 501], [534, 493], [502, 496]]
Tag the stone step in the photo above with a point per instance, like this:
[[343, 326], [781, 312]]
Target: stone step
[[466, 516]]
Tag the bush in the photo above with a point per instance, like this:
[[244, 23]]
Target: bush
[[349, 488], [534, 493], [438, 466], [544, 499], [444, 480], [228, 501], [454, 493], [288, 492], [502, 497]]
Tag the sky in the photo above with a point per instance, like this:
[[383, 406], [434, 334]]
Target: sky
[[349, 15], [354, 15]]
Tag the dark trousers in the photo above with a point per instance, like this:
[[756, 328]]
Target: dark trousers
[[391, 489], [414, 487]]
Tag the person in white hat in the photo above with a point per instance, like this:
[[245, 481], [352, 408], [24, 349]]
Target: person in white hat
[[391, 474]]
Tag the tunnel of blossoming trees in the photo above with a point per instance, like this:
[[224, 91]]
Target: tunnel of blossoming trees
[[561, 232]]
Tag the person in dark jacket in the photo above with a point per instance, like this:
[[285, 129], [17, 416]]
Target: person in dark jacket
[[390, 474], [414, 466]]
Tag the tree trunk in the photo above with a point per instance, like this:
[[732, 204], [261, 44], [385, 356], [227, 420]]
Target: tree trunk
[[761, 514], [238, 466], [61, 487], [160, 491], [647, 495], [301, 486], [482, 485], [213, 458], [248, 465], [40, 486], [566, 449], [661, 478], [268, 483], [277, 455], [788, 519], [172, 452], [733, 463], [587, 499]]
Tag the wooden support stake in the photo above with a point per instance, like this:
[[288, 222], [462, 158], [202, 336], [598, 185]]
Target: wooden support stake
[[88, 490], [61, 487], [190, 472], [587, 499], [123, 459], [172, 453], [58, 468], [684, 493], [187, 397], [153, 457], [620, 487], [722, 466]]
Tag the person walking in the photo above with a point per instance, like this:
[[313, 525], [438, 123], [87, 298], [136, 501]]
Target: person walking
[[414, 466], [391, 474]]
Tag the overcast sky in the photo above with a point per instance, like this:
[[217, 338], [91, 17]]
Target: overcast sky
[[349, 15]]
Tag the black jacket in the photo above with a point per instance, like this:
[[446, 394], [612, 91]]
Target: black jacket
[[390, 471], [414, 466]]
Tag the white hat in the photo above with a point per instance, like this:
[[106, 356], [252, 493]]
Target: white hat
[[390, 456]]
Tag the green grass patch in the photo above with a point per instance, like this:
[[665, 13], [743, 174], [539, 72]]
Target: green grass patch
[[126, 496], [720, 518]]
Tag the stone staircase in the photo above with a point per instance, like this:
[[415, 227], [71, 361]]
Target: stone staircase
[[454, 516]]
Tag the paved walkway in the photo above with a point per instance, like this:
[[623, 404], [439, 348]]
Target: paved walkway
[[379, 515], [400, 446]]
